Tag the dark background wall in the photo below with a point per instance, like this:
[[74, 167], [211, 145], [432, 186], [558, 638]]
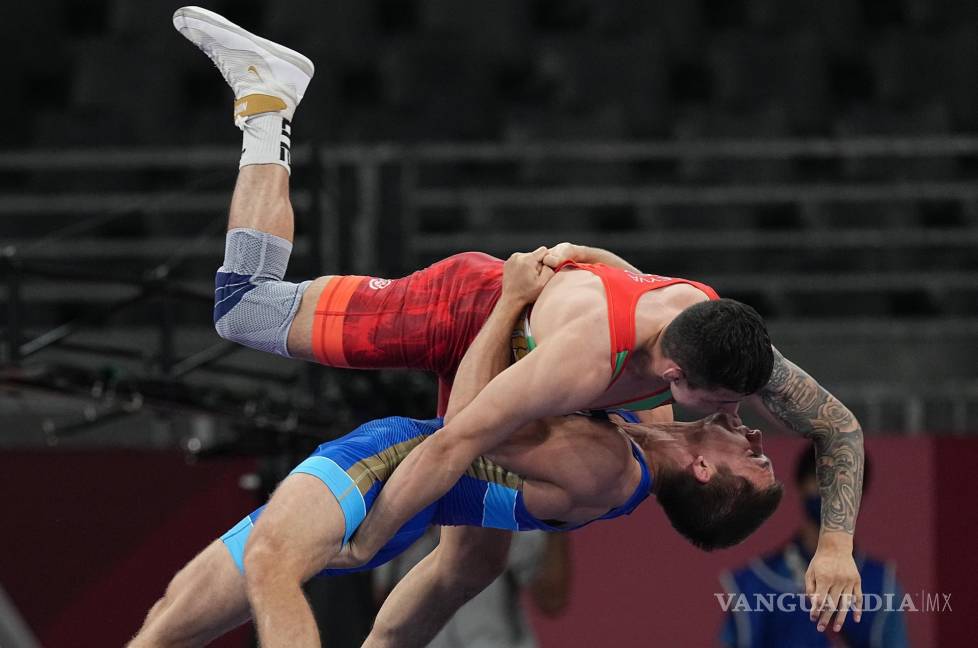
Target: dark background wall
[[817, 159]]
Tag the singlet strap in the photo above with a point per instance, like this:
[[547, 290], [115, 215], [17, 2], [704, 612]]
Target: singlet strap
[[621, 343], [648, 402], [639, 495], [641, 491], [622, 290]]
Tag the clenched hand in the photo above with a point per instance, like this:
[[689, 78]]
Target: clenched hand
[[525, 275]]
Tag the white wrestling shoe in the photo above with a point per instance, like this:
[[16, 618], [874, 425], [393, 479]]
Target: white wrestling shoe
[[265, 76]]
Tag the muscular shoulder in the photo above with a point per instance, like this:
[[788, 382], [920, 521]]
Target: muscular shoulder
[[671, 300], [657, 308], [576, 348], [570, 296], [684, 295]]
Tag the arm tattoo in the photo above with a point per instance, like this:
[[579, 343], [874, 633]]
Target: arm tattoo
[[806, 407]]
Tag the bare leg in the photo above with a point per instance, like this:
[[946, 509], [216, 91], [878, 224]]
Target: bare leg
[[269, 81], [261, 201], [550, 587], [466, 561], [300, 334], [203, 601], [298, 532]]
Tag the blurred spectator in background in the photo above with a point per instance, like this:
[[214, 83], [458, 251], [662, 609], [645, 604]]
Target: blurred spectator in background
[[783, 571], [539, 562]]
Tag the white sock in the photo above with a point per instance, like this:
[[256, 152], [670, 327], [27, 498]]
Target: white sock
[[267, 140]]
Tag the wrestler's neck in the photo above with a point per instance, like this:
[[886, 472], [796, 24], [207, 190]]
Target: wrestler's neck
[[665, 446], [656, 362], [654, 312]]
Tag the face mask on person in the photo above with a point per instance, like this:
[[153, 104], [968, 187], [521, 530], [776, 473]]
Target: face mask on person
[[813, 508]]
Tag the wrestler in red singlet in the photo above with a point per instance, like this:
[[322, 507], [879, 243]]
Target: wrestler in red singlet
[[428, 319]]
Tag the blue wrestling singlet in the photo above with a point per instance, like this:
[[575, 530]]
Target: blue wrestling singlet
[[356, 466]]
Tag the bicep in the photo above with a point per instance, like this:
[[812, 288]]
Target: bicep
[[759, 407], [793, 400]]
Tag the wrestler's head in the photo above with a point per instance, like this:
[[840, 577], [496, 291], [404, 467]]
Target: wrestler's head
[[718, 353], [718, 486]]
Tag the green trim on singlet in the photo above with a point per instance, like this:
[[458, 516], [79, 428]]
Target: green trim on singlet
[[619, 363], [523, 343], [647, 403]]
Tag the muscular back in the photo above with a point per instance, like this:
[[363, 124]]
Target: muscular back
[[575, 467]]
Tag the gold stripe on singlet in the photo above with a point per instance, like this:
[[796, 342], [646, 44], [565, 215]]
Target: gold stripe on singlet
[[379, 467]]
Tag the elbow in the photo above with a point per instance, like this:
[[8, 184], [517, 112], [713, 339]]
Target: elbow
[[450, 453], [835, 424], [848, 423], [450, 413]]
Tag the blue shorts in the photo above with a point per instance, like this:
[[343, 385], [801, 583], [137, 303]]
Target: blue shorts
[[354, 468]]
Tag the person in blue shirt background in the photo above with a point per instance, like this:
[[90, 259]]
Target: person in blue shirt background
[[783, 571]]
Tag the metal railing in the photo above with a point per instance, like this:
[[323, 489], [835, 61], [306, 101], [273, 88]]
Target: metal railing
[[369, 211], [477, 204]]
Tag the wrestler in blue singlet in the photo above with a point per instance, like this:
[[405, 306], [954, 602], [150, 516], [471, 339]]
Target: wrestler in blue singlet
[[356, 466]]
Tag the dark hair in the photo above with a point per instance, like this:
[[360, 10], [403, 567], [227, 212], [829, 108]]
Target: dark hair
[[805, 467], [719, 513], [720, 343]]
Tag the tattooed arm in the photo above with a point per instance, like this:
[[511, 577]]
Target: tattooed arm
[[801, 404], [793, 399]]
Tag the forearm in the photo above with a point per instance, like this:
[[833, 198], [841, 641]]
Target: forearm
[[559, 383], [550, 588], [799, 402], [426, 474], [839, 470], [417, 608], [488, 355], [585, 254], [465, 562]]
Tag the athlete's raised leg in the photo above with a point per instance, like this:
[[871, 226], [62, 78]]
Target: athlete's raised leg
[[341, 321], [253, 305], [203, 601], [261, 201], [268, 81]]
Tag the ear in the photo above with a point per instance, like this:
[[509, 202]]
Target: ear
[[673, 373], [702, 469]]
